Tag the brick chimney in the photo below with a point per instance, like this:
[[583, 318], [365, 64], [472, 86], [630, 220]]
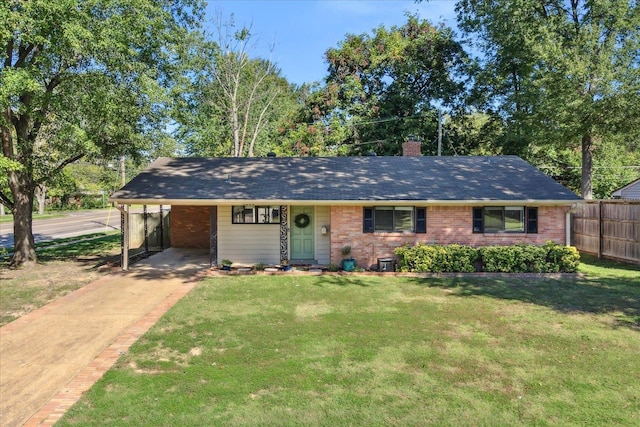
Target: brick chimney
[[411, 148]]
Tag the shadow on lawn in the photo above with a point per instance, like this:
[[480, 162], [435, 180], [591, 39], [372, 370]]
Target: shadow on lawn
[[616, 296], [341, 280]]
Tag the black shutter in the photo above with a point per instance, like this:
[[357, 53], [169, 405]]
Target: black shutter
[[421, 220], [367, 220], [532, 220], [478, 222]]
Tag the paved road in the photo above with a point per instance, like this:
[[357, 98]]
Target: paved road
[[70, 225]]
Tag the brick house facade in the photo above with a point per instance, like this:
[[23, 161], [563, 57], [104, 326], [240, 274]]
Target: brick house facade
[[190, 227], [265, 210], [445, 225]]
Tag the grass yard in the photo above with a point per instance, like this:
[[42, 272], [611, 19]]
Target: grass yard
[[64, 265], [328, 350], [8, 217]]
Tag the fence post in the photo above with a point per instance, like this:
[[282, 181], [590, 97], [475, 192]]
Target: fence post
[[600, 229]]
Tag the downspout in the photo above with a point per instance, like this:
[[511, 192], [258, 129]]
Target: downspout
[[567, 225], [124, 233]]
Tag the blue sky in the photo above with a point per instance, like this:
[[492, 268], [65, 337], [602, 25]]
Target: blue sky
[[301, 31]]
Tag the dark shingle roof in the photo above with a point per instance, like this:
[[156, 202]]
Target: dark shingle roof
[[326, 179]]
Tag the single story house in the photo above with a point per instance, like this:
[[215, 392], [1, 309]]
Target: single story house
[[630, 191], [305, 209]]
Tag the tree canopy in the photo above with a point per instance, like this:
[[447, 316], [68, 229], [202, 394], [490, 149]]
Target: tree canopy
[[81, 78], [230, 103], [387, 85], [556, 82], [564, 76]]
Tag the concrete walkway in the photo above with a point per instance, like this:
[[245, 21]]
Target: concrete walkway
[[52, 355]]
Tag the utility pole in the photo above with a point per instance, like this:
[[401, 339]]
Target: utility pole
[[123, 176], [439, 133]]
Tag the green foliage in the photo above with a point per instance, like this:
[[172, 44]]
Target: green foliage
[[7, 164], [423, 258], [514, 259], [82, 79], [333, 267], [229, 103], [549, 258], [563, 77], [382, 87], [314, 128], [565, 258]]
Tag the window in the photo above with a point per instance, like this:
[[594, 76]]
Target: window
[[249, 214], [505, 219], [398, 219]]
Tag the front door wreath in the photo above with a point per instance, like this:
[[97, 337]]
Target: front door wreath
[[302, 220]]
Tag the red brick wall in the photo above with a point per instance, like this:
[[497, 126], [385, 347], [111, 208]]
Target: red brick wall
[[190, 227], [445, 225], [411, 148]]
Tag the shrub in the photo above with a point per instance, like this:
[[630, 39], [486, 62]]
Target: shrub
[[564, 259], [436, 258], [514, 259], [521, 258], [333, 267]]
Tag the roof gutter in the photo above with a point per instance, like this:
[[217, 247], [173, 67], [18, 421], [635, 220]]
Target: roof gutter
[[567, 224], [369, 202]]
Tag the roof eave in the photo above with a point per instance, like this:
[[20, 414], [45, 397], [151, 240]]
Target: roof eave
[[368, 202]]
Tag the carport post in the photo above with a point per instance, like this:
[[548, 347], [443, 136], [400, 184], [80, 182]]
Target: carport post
[[124, 236], [146, 230]]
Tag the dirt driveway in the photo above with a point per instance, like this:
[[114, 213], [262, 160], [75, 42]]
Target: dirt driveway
[[51, 355]]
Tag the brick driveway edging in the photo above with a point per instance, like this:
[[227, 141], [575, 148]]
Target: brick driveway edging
[[60, 403]]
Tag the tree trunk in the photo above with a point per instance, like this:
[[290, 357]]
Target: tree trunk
[[1, 209], [587, 166], [41, 196], [24, 245]]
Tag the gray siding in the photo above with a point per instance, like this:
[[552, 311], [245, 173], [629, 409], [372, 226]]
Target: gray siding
[[247, 243], [322, 241]]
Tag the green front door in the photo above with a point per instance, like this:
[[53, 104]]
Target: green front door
[[302, 233]]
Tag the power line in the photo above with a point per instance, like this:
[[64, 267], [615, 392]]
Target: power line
[[382, 120]]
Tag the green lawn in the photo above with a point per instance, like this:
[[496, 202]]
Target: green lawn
[[8, 217], [64, 265], [376, 351]]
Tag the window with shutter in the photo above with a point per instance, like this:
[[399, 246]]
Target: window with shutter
[[421, 220], [532, 220], [478, 223], [505, 219], [367, 223], [394, 219]]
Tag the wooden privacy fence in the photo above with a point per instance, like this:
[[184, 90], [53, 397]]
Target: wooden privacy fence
[[608, 229]]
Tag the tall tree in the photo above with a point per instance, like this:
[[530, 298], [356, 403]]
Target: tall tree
[[388, 83], [564, 74], [78, 78], [230, 101]]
